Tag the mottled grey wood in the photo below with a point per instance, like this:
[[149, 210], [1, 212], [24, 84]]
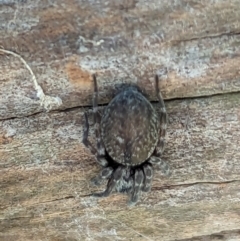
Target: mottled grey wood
[[45, 174], [45, 170], [193, 45]]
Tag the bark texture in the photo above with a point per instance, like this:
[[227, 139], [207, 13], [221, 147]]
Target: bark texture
[[45, 171]]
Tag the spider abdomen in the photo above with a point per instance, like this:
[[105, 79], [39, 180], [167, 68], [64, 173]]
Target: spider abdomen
[[130, 128]]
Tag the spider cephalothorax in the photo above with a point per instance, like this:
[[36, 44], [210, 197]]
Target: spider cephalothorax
[[130, 140]]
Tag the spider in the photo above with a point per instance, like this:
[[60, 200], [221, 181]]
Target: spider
[[130, 138]]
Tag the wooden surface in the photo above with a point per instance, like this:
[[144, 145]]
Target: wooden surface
[[45, 171], [193, 45]]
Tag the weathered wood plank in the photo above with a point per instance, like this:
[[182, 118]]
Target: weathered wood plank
[[45, 177], [45, 171], [193, 45]]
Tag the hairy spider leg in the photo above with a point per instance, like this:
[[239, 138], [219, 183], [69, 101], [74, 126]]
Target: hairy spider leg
[[137, 186], [148, 175], [112, 183], [162, 119], [161, 164], [105, 173], [85, 140], [100, 158], [162, 133], [97, 119]]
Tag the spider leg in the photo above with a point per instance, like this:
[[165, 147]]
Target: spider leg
[[162, 133], [97, 119], [104, 174], [112, 183], [161, 164], [148, 175], [163, 119], [85, 140], [100, 159], [138, 182]]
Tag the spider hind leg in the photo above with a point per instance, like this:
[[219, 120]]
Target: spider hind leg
[[112, 183], [164, 167], [148, 175], [105, 173], [137, 186]]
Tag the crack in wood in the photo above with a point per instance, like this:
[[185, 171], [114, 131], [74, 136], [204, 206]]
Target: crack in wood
[[193, 184]]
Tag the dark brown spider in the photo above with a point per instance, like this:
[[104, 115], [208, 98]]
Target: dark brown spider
[[130, 140]]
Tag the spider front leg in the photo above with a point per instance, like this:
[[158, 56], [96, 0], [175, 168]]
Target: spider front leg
[[162, 133], [97, 119], [85, 140], [100, 159], [162, 119], [112, 183]]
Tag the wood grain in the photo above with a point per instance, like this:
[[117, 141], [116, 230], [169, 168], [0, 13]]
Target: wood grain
[[192, 45], [45, 171]]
